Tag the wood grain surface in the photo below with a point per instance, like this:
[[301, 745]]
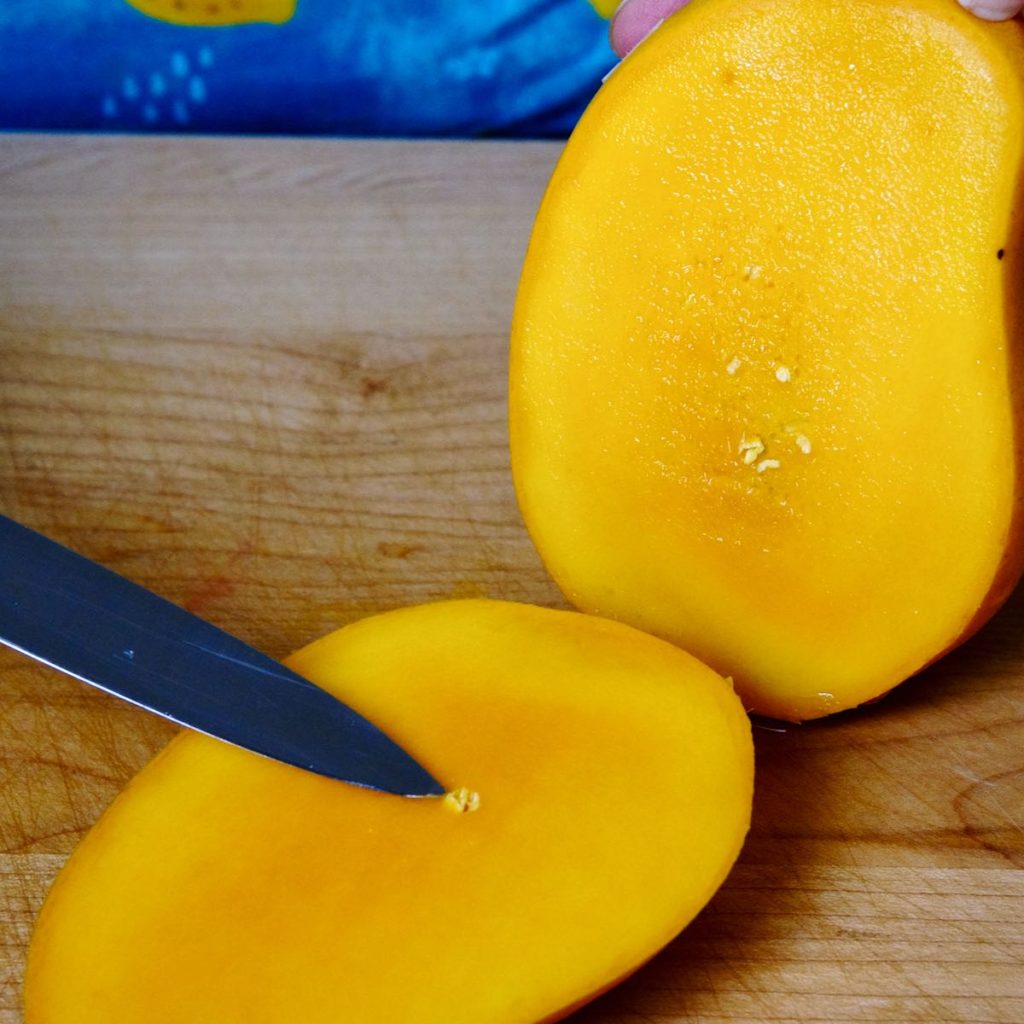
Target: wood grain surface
[[267, 380]]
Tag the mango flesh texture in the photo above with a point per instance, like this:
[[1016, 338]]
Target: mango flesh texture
[[614, 776], [765, 395]]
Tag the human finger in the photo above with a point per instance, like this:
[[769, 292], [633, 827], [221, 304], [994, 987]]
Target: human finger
[[994, 10], [636, 19]]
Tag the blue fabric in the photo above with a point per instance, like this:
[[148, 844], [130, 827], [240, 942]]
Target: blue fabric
[[355, 67]]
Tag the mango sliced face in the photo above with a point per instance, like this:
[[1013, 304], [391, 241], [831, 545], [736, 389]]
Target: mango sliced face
[[601, 790], [765, 382]]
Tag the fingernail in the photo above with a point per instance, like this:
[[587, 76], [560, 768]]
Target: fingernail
[[992, 10]]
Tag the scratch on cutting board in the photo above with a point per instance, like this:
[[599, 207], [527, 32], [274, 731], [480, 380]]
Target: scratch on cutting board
[[991, 783]]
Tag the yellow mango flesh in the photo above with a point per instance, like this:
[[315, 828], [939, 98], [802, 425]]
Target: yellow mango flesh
[[613, 776], [764, 384]]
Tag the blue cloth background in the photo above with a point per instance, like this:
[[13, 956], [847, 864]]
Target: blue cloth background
[[355, 67]]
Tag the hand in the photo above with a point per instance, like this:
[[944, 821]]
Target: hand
[[636, 19]]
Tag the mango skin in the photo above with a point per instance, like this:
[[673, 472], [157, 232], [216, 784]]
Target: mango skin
[[614, 777], [765, 395]]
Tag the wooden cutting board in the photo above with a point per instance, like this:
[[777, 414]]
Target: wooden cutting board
[[267, 380]]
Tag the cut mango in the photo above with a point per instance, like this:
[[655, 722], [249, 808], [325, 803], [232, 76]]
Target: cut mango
[[765, 377], [600, 790]]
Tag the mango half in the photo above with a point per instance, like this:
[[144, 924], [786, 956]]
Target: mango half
[[765, 366], [601, 787]]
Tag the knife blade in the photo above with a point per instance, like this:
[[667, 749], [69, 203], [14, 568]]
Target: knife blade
[[87, 621]]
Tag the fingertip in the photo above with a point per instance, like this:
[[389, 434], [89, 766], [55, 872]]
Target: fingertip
[[993, 10], [634, 20]]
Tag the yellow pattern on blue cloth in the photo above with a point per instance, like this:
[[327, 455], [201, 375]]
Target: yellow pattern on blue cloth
[[208, 13]]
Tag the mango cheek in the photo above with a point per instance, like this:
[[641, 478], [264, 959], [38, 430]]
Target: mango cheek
[[600, 790], [765, 395]]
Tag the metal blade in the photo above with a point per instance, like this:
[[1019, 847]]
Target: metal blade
[[73, 614]]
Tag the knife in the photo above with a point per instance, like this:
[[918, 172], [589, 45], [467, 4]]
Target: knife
[[72, 614]]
